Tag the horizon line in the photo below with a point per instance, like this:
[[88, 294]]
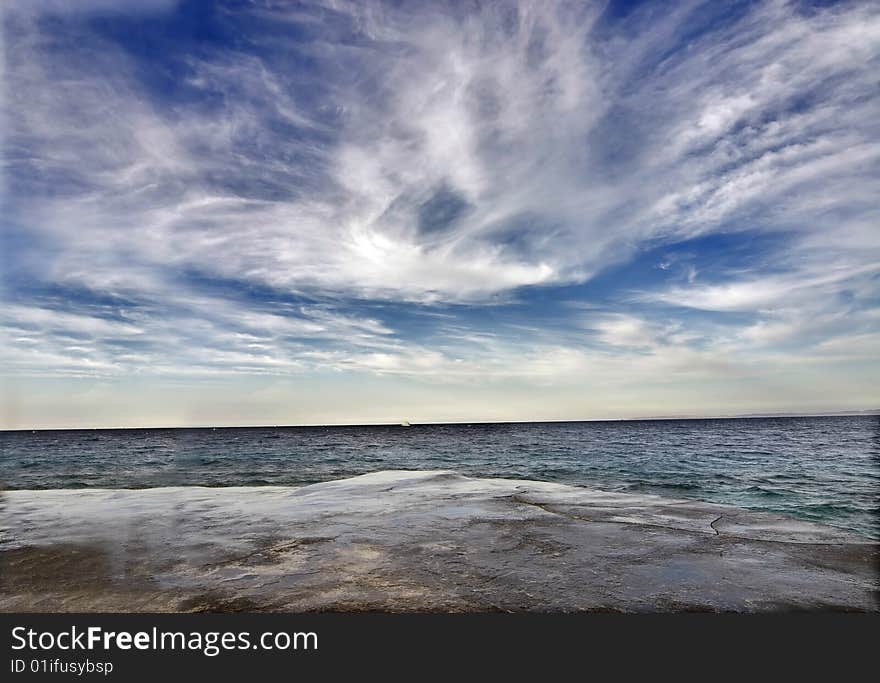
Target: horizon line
[[867, 412]]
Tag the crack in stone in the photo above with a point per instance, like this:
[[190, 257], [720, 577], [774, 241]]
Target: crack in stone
[[712, 524]]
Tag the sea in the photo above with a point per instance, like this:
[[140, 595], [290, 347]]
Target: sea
[[823, 469]]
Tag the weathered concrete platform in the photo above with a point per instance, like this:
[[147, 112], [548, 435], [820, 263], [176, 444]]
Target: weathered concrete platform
[[417, 541]]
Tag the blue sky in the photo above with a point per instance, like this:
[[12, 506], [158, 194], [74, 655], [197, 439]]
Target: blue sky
[[332, 212]]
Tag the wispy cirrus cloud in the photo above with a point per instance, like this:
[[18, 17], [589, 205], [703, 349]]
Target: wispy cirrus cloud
[[372, 187]]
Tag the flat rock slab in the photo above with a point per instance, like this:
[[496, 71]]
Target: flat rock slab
[[417, 541]]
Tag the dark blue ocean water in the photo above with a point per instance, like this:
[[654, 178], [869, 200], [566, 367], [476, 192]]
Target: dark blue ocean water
[[824, 469]]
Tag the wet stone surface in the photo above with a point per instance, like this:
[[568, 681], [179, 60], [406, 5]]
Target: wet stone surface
[[418, 541]]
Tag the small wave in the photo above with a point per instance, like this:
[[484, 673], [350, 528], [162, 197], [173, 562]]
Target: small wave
[[680, 486], [831, 508], [549, 471], [767, 491], [658, 486]]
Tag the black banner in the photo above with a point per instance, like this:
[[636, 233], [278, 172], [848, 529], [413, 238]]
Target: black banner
[[145, 647]]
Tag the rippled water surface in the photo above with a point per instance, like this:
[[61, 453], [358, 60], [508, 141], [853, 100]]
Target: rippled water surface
[[825, 469]]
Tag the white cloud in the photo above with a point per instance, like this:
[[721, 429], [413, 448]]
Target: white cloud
[[505, 117], [432, 155]]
